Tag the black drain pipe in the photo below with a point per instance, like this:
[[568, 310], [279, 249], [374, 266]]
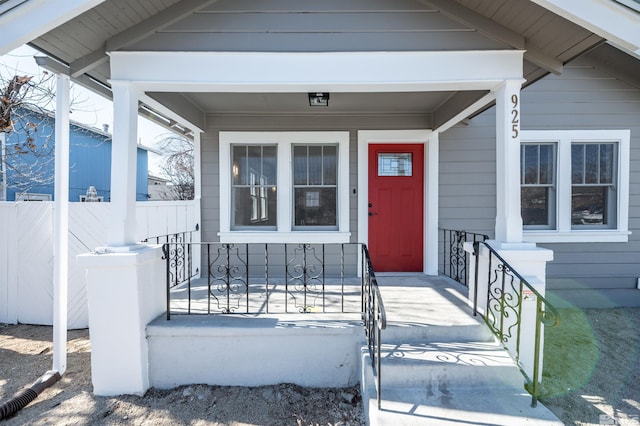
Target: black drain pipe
[[24, 397]]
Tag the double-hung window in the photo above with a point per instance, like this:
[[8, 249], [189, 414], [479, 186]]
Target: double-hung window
[[575, 185], [315, 186], [538, 187], [284, 187]]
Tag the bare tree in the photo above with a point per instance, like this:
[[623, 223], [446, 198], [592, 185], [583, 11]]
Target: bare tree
[[29, 158], [178, 166]]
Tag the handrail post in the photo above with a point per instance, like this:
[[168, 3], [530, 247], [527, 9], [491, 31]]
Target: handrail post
[[536, 355], [165, 252], [476, 254]]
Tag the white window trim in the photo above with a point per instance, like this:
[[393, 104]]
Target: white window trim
[[284, 232], [564, 233]]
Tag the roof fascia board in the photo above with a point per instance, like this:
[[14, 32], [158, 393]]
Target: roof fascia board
[[610, 20], [137, 33], [288, 72], [33, 18]]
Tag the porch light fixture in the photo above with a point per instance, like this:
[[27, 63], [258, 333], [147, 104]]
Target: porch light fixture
[[318, 99]]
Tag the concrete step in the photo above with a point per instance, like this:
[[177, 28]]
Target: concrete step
[[402, 331], [452, 365], [443, 406]]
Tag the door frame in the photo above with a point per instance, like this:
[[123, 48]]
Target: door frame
[[430, 209]]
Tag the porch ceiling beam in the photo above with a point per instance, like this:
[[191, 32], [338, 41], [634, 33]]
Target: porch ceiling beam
[[84, 80], [137, 33], [610, 20], [285, 72], [193, 118], [481, 103], [456, 103], [26, 21], [497, 32]]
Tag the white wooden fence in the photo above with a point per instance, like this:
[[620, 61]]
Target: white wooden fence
[[26, 252]]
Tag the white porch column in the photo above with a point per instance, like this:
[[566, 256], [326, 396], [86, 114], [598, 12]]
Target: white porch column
[[431, 204], [508, 219], [61, 225], [197, 196], [123, 165], [125, 284]]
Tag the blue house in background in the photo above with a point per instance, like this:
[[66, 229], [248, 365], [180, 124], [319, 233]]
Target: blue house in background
[[30, 160]]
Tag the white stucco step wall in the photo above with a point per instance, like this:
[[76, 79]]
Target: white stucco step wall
[[308, 350]]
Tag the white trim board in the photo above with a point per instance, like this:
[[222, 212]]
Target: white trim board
[[246, 72], [430, 141]]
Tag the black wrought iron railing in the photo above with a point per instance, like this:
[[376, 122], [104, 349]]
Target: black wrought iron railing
[[503, 312], [374, 317], [180, 264], [265, 278], [455, 260]]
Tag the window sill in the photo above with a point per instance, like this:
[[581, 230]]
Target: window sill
[[317, 237], [592, 236]]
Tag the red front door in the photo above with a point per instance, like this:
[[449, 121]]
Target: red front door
[[396, 205]]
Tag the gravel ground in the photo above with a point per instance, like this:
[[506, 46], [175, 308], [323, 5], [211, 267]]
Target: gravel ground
[[610, 394], [25, 354]]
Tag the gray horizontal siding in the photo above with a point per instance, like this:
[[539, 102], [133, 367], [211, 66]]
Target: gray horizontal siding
[[294, 26], [591, 98], [583, 97], [467, 176], [210, 152]]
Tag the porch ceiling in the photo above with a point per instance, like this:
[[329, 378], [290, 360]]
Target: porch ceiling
[[298, 103], [81, 44]]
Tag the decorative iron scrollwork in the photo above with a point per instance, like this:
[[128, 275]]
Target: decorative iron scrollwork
[[228, 272], [305, 277]]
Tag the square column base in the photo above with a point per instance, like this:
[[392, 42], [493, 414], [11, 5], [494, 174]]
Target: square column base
[[125, 291]]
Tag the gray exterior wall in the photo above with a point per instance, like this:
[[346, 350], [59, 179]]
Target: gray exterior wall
[[585, 96], [316, 26], [210, 152]]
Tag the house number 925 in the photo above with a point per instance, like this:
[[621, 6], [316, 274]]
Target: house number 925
[[515, 121]]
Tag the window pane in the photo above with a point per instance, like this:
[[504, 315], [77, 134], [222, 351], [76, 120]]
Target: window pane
[[590, 206], [395, 164], [254, 206], [330, 165], [254, 153], [535, 205], [577, 163], [253, 197], [606, 163], [269, 162], [547, 164], [315, 206], [315, 165], [299, 165], [530, 165], [591, 163], [238, 168]]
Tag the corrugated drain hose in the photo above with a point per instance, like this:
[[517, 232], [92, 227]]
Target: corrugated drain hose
[[25, 396]]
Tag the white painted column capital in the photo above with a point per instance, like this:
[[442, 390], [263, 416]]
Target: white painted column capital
[[509, 218], [123, 164]]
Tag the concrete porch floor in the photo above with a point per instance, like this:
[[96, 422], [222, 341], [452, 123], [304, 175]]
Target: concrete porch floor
[[441, 365]]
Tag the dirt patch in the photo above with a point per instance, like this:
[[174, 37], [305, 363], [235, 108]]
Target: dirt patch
[[25, 354], [593, 378], [592, 370]]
